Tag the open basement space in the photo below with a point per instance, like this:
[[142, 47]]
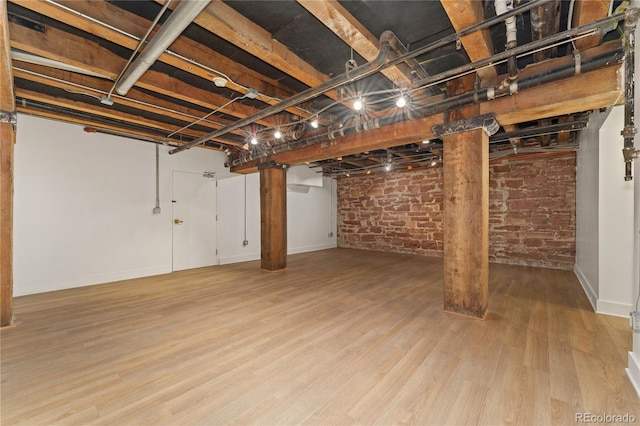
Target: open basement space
[[342, 336]]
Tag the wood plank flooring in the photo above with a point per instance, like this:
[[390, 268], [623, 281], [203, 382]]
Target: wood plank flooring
[[341, 337]]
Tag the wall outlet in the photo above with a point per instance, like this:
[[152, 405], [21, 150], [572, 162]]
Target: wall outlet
[[245, 243], [330, 234], [634, 320], [156, 210]]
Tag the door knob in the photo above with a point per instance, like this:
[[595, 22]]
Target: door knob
[[177, 221]]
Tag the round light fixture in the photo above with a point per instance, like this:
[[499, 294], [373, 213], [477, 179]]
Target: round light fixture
[[219, 81]]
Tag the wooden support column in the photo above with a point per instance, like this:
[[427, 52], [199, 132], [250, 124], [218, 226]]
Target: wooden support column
[[7, 140], [273, 216], [466, 212]]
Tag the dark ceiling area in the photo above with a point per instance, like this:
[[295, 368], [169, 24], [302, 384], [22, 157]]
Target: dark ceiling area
[[237, 60]]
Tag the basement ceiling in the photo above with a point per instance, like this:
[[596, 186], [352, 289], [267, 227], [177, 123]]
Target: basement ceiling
[[68, 55]]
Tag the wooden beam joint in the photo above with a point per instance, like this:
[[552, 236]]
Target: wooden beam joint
[[486, 122], [10, 117]]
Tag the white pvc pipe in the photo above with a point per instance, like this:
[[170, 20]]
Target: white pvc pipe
[[503, 6], [179, 19]]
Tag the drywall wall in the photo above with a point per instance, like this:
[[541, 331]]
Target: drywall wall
[[239, 218], [605, 216], [615, 217], [311, 218], [84, 208], [587, 199], [531, 211]]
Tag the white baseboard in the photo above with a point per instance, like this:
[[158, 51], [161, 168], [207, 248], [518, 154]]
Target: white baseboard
[[296, 250], [586, 286], [633, 372], [239, 258], [614, 308], [23, 288]]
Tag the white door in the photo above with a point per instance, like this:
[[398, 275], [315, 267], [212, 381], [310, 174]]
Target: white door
[[194, 221]]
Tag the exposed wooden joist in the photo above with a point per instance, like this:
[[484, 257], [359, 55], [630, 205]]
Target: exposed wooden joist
[[338, 19], [596, 89], [234, 27], [74, 50], [89, 122], [587, 11], [241, 77], [104, 112], [7, 140], [478, 45], [96, 87]]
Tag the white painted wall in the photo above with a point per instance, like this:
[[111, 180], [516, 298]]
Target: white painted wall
[[587, 201], [311, 218], [605, 217], [232, 195], [633, 369], [615, 245], [84, 201]]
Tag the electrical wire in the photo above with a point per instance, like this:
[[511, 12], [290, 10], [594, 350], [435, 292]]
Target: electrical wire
[[80, 86]]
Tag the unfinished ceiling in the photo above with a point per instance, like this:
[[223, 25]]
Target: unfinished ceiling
[[242, 71]]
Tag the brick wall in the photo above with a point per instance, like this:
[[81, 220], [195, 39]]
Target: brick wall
[[531, 211]]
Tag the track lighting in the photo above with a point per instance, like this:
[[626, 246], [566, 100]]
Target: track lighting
[[358, 104], [434, 162], [277, 134]]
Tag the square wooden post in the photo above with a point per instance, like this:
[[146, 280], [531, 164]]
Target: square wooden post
[[7, 140], [466, 208], [273, 217], [466, 222]]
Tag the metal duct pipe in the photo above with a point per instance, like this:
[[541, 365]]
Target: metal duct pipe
[[179, 19], [629, 131], [567, 70], [502, 7], [386, 40]]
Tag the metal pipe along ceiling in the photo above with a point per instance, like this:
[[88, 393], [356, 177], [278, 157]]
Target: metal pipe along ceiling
[[179, 19], [386, 40], [592, 63]]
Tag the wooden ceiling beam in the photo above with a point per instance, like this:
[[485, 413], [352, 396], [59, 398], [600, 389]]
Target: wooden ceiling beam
[[585, 12], [338, 19], [92, 86], [592, 90], [240, 78], [478, 45], [225, 22], [88, 122], [103, 112], [74, 50]]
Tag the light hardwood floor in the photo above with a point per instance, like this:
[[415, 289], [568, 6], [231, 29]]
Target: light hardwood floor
[[341, 337]]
